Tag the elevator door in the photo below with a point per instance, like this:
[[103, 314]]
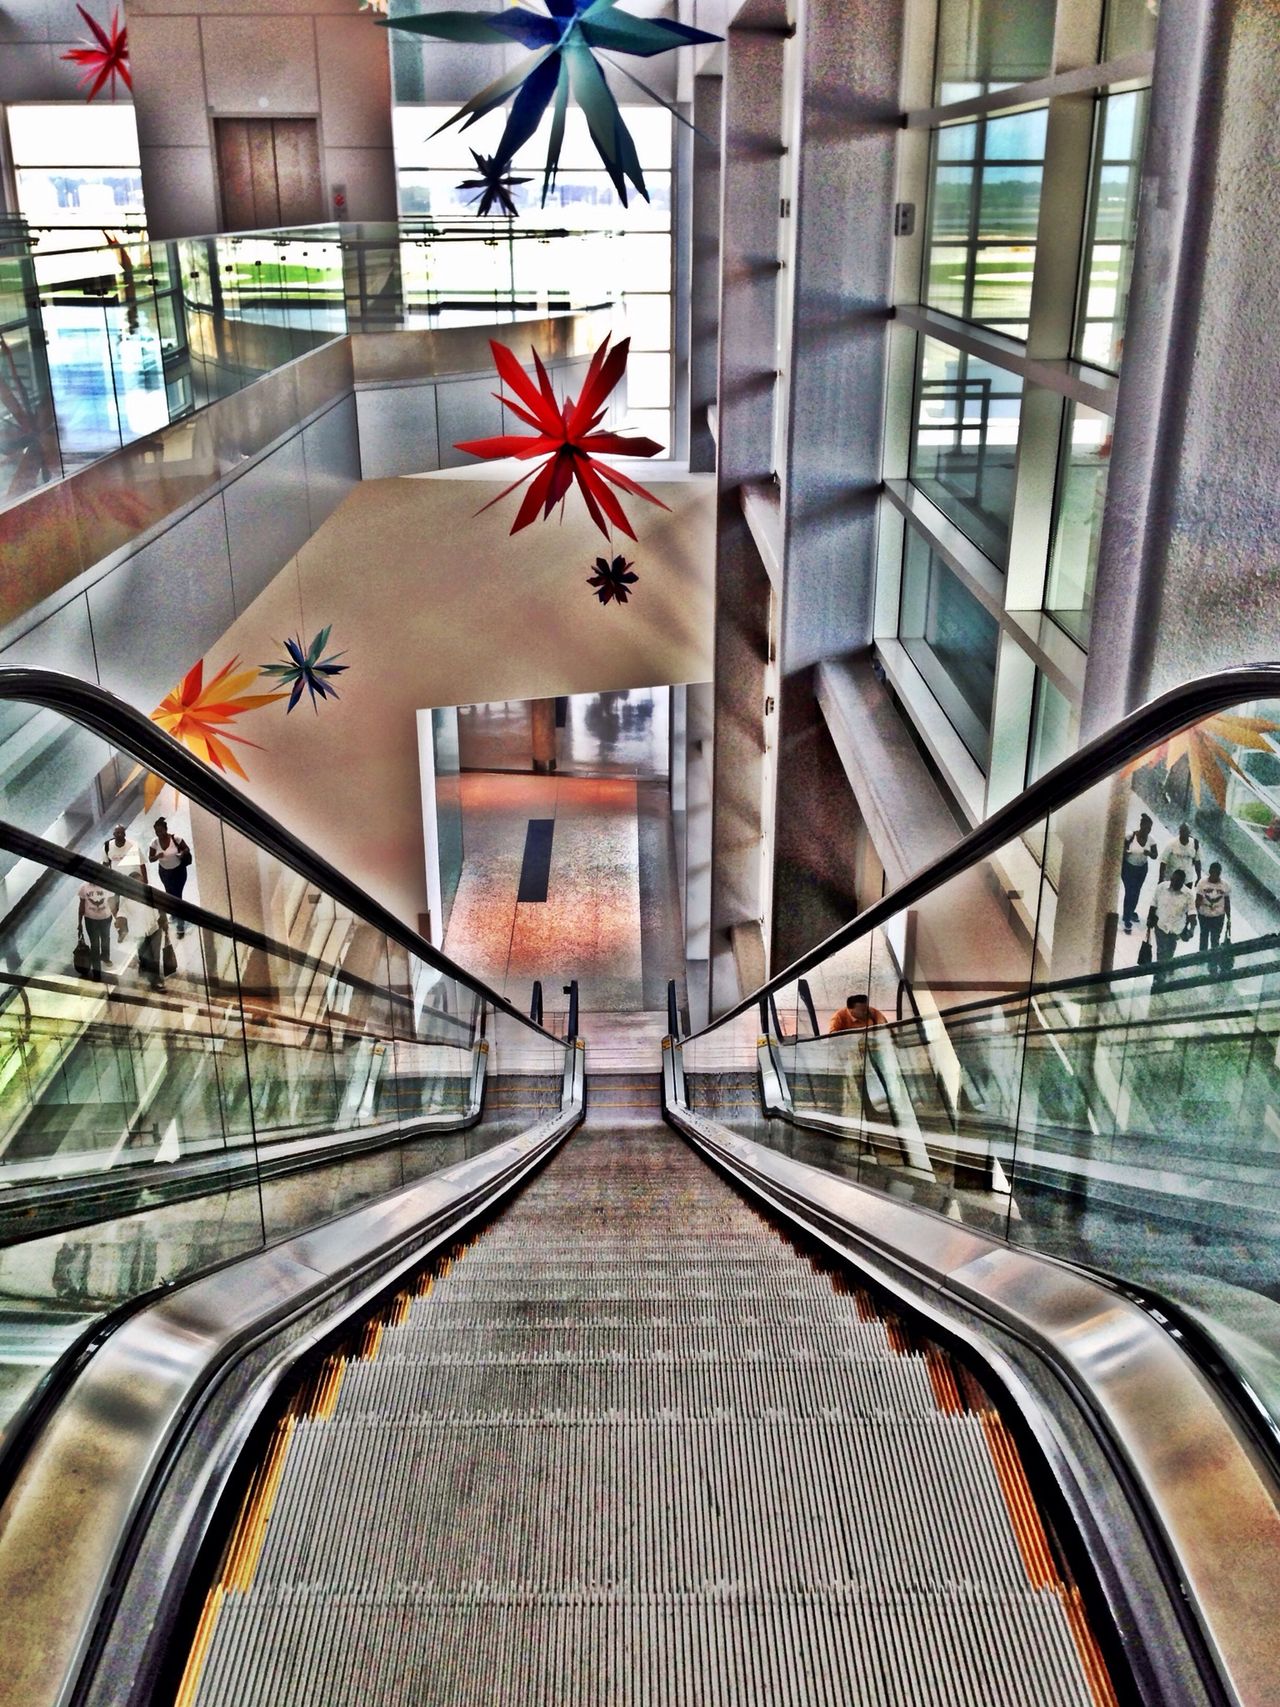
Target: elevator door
[[269, 171]]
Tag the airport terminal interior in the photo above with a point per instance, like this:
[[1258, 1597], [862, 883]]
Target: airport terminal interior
[[640, 853]]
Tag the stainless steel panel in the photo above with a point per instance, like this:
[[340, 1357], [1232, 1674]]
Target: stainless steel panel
[[331, 449], [160, 610], [467, 409], [398, 433], [268, 520]]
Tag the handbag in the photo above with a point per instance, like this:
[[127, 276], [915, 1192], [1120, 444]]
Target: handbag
[[169, 959], [1144, 951], [81, 959], [184, 856]]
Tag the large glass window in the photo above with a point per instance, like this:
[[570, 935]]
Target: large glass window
[[966, 443], [1053, 729], [951, 639], [1113, 223], [989, 44], [985, 207], [462, 265], [1080, 499], [77, 166], [1130, 27]]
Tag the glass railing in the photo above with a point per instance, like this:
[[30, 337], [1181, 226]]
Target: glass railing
[[108, 336], [208, 1040], [1067, 1034]]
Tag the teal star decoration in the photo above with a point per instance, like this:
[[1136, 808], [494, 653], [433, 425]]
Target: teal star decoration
[[568, 44], [308, 671]]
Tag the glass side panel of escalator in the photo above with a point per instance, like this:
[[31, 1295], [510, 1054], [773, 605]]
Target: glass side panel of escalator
[[1073, 1044]]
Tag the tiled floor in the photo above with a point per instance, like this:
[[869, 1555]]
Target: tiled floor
[[611, 868]]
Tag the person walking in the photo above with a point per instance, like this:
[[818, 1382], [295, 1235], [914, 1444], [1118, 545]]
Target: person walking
[[1181, 854], [124, 855], [1171, 917], [856, 1015], [172, 858], [153, 936], [1139, 850], [1213, 908], [97, 904]]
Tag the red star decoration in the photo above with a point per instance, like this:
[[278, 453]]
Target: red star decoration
[[567, 439], [108, 59]]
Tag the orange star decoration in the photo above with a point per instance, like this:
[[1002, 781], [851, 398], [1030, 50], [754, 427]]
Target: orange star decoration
[[196, 715], [1207, 748]]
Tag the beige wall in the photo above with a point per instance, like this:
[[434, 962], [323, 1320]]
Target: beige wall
[[198, 60], [436, 605]]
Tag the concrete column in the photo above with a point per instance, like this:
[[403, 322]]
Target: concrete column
[[704, 270], [542, 725], [1189, 570], [751, 119], [844, 141]]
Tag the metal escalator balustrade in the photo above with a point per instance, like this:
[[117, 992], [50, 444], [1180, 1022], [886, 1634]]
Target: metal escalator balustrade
[[235, 1055], [628, 1445], [1070, 1048]]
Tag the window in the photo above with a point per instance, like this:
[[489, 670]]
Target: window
[[1130, 27], [463, 268], [77, 165], [1081, 494], [966, 443], [985, 208], [1053, 721], [991, 44], [951, 639], [1113, 223]]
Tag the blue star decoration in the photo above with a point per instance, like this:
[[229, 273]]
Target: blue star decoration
[[611, 580], [308, 671], [495, 184], [567, 44]]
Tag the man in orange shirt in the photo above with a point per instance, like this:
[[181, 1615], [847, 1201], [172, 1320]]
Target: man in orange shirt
[[856, 1015]]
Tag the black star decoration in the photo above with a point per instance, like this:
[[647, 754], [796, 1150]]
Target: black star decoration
[[495, 184], [611, 580]]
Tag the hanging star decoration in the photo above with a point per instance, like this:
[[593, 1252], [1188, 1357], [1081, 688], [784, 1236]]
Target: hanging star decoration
[[495, 184], [568, 45], [309, 671], [612, 579], [104, 58], [1207, 748], [197, 713], [566, 439]]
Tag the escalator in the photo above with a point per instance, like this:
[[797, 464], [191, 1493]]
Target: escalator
[[398, 1360]]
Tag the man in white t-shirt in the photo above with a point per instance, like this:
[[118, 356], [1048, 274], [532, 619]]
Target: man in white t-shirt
[[124, 855], [1181, 854], [97, 905], [1174, 904], [1213, 907]]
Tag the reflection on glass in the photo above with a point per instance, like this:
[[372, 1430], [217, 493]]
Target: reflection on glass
[[952, 641], [1083, 467], [1038, 1076], [198, 1053], [990, 44], [966, 443], [1130, 27], [984, 211], [1113, 223], [1052, 729]]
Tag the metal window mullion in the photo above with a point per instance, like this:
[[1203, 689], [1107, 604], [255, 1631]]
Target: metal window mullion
[[1130, 70]]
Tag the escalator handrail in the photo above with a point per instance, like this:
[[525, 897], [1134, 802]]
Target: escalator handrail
[[1093, 763], [122, 726]]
